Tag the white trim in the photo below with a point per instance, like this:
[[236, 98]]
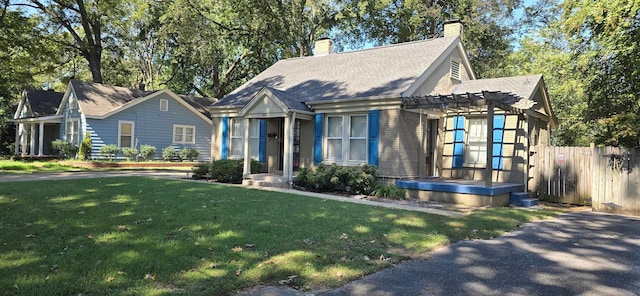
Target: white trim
[[133, 125], [239, 134], [345, 140], [164, 105], [183, 138], [327, 138]]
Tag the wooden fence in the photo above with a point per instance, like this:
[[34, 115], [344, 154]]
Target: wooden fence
[[607, 178]]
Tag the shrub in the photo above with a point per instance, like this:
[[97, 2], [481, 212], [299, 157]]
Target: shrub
[[168, 153], [361, 179], [109, 151], [130, 153], [226, 170], [189, 154], [200, 170], [85, 148], [147, 152], [390, 191], [64, 149]]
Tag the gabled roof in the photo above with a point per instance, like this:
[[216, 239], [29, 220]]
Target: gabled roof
[[42, 102], [101, 100], [522, 86], [97, 99], [381, 71]]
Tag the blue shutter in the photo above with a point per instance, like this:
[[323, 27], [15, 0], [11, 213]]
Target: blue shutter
[[374, 127], [262, 145], [225, 138], [498, 135], [458, 142], [317, 139]]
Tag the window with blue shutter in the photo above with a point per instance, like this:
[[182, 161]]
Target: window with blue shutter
[[225, 138], [498, 139], [374, 130], [317, 138], [458, 142]]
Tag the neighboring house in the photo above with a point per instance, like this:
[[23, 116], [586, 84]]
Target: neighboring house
[[414, 110], [112, 115]]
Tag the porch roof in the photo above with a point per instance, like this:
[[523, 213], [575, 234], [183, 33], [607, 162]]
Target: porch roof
[[469, 101]]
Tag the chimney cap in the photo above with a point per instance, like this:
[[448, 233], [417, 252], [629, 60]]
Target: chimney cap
[[451, 21]]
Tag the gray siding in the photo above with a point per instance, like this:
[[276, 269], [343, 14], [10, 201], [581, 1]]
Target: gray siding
[[152, 127]]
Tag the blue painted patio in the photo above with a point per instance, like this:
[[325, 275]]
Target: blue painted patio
[[469, 192]]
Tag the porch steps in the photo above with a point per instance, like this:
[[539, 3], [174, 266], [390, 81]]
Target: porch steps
[[522, 199], [266, 180]]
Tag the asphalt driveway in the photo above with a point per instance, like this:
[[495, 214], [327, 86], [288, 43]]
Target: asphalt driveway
[[581, 253]]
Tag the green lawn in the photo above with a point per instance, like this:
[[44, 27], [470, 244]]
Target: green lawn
[[32, 166], [142, 236]]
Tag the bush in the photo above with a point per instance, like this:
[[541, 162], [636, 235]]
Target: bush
[[130, 153], [361, 179], [147, 152], [390, 191], [201, 170], [64, 149], [85, 148], [168, 153], [189, 154], [226, 170], [109, 151]]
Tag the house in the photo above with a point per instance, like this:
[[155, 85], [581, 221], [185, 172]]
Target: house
[[415, 110], [111, 115]]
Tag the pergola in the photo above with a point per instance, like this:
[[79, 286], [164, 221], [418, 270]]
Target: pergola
[[469, 102]]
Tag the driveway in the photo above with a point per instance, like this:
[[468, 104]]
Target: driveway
[[581, 253]]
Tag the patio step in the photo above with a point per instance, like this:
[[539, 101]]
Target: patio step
[[522, 199]]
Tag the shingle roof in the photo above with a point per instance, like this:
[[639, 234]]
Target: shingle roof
[[97, 99], [200, 103], [43, 102], [522, 86], [380, 71], [291, 101]]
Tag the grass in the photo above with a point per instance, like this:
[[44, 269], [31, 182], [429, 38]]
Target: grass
[[32, 166], [144, 236]]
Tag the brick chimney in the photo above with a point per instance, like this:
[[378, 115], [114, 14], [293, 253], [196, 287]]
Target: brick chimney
[[324, 46], [453, 28]]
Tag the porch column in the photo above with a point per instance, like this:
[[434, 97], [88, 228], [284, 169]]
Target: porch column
[[40, 139], [488, 178], [246, 171], [32, 144], [23, 139], [286, 162], [17, 143]]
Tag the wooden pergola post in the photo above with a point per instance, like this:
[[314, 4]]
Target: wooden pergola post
[[488, 178]]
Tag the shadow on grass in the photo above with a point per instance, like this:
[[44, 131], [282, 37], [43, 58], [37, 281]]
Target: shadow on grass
[[154, 236]]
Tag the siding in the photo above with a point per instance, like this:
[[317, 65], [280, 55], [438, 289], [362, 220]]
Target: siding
[[216, 138], [306, 143], [514, 153], [152, 127], [440, 82], [400, 149]]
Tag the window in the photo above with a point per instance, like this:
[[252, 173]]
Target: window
[[237, 138], [73, 132], [455, 69], [125, 134], [335, 132], [237, 145], [184, 134], [476, 152], [358, 138], [164, 105], [254, 135], [352, 146]]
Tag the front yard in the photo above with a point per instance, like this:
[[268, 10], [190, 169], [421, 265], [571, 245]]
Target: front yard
[[144, 236]]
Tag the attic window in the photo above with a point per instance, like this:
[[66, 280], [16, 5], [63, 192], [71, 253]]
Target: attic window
[[164, 105], [455, 69]]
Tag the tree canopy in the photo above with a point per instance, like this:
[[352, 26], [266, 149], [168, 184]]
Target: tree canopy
[[587, 50]]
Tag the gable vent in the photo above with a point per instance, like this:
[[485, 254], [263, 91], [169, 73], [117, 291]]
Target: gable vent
[[455, 69]]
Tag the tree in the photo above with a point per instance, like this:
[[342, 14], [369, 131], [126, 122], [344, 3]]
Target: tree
[[85, 22], [606, 35]]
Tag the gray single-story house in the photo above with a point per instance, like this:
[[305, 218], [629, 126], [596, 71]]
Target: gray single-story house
[[415, 110], [111, 115]]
